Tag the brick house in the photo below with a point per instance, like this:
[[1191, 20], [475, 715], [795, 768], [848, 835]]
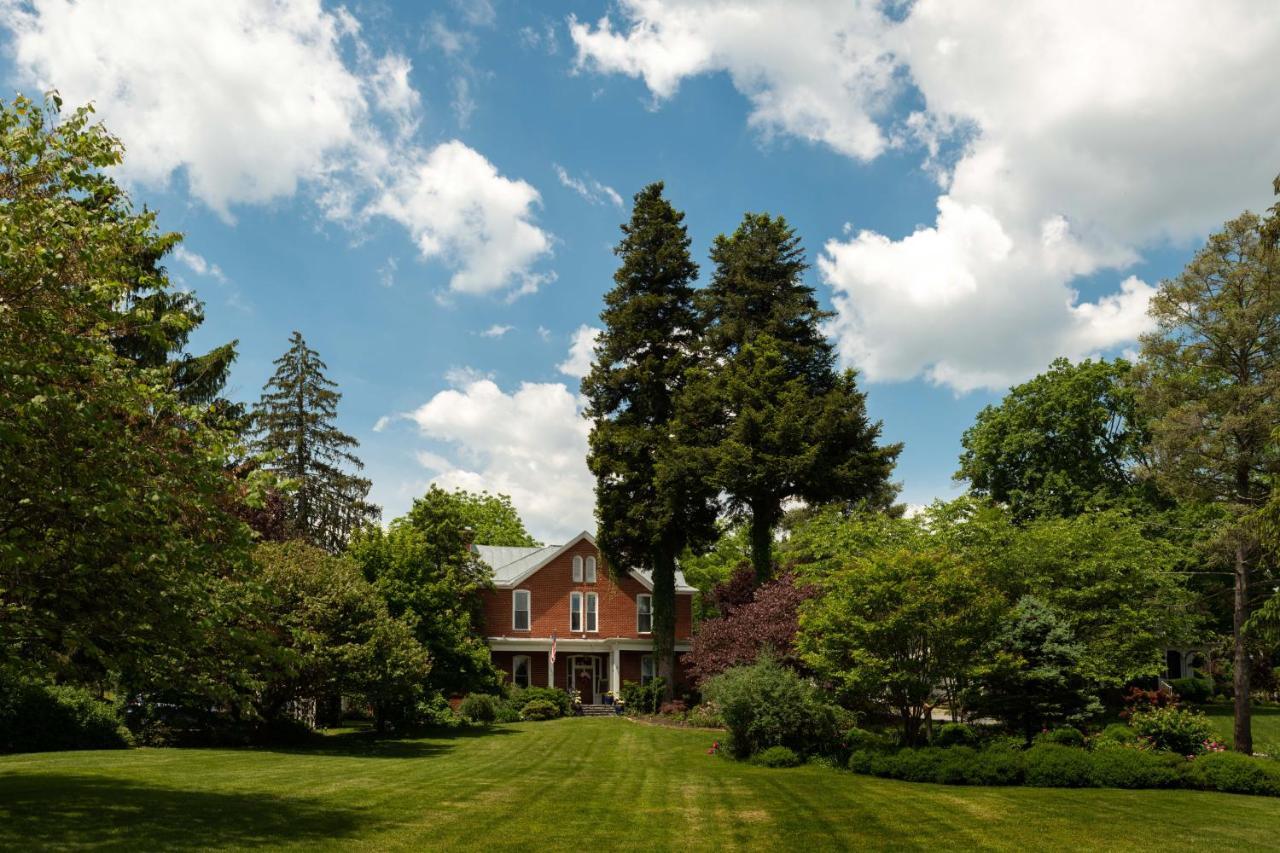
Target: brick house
[[602, 624]]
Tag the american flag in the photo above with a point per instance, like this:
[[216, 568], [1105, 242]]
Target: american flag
[[553, 648]]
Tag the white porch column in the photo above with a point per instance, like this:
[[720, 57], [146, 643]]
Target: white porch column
[[551, 670], [615, 671]]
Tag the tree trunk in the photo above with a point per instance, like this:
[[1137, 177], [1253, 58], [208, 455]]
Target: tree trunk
[[664, 619], [1240, 661], [761, 545]]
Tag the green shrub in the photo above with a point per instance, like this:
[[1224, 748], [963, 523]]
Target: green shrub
[[1062, 736], [36, 717], [508, 713], [479, 708], [1234, 773], [1051, 765], [862, 739], [956, 734], [540, 709], [1114, 765], [955, 767], [560, 698], [643, 698], [766, 704], [776, 756], [1194, 690], [1183, 732], [434, 710], [1117, 733], [705, 714], [998, 765]]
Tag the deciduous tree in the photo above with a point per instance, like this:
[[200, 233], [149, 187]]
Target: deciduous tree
[[1210, 382]]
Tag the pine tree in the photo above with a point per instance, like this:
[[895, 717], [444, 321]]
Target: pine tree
[[294, 423], [650, 503], [774, 418]]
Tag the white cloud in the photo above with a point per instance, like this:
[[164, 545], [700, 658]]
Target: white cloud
[[382, 423], [530, 444], [544, 333], [824, 81], [458, 208], [496, 331], [591, 190], [197, 264], [461, 377], [387, 272], [252, 102], [582, 352], [1066, 138]]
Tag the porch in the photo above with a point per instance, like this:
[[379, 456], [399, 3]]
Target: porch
[[591, 667]]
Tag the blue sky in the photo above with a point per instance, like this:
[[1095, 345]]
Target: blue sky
[[978, 190]]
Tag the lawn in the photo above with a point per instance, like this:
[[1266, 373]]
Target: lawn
[[574, 784], [1266, 726]]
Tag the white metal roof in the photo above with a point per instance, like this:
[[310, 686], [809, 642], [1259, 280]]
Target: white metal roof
[[511, 565]]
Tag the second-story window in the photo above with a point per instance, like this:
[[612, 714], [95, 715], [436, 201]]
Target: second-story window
[[520, 610], [592, 615], [577, 570], [575, 612], [591, 569], [644, 614]]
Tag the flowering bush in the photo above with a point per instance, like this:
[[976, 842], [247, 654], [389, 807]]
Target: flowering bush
[[1183, 732]]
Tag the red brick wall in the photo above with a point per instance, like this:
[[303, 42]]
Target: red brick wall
[[549, 590]]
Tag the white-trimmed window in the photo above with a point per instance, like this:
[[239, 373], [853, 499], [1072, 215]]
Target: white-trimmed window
[[591, 569], [593, 612], [577, 569], [646, 669], [644, 614], [575, 612], [520, 610], [521, 671]]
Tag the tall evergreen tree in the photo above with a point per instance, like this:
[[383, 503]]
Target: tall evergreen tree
[[294, 422], [650, 503], [774, 418]]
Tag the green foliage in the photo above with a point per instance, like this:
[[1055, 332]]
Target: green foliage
[[776, 756], [1113, 765], [1050, 765], [1118, 733], [422, 567], [766, 704], [294, 422], [1066, 441], [1174, 729], [955, 734], [1234, 773], [1031, 678], [892, 624], [521, 696], [539, 709], [1209, 382], [338, 636], [644, 698], [1062, 735], [770, 416], [862, 739], [479, 707], [1193, 690], [493, 519], [651, 498], [117, 519], [37, 717]]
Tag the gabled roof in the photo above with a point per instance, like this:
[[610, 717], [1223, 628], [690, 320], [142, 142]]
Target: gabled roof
[[512, 566]]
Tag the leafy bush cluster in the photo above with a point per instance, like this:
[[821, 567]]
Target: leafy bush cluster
[[776, 756], [1062, 736], [766, 704], [479, 708], [36, 717], [1184, 732], [1194, 690], [528, 703], [643, 698], [539, 709]]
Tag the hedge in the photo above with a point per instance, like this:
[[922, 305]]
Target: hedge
[[38, 717]]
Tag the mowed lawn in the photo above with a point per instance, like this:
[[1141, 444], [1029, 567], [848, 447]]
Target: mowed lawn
[[573, 784], [1266, 726]]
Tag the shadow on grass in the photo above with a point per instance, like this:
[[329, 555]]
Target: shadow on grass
[[57, 810], [369, 744]]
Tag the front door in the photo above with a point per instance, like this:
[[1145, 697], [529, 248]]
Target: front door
[[584, 680]]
